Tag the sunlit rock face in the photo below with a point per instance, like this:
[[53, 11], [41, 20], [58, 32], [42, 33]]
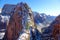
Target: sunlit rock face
[[2, 35], [24, 36], [22, 24], [42, 20], [21, 18]]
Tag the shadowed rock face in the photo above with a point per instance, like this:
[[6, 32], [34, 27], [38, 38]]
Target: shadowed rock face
[[8, 9], [35, 34], [2, 24], [15, 25], [56, 28]]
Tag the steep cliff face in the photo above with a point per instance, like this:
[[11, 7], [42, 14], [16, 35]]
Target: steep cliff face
[[22, 25], [53, 31], [21, 18], [56, 28], [42, 20], [15, 25]]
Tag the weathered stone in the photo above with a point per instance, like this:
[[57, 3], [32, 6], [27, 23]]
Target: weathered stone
[[20, 16], [56, 28]]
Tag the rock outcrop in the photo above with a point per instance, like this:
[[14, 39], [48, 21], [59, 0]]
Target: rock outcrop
[[56, 28], [42, 20], [22, 24], [53, 31], [21, 18], [8, 9]]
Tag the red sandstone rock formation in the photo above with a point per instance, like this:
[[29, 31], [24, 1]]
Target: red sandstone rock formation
[[20, 14], [15, 25], [56, 28]]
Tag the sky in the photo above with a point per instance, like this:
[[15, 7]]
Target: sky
[[49, 7]]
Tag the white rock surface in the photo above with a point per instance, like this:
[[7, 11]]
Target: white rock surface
[[0, 10], [2, 34], [24, 36]]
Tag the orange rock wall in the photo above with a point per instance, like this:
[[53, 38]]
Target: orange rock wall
[[14, 26]]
